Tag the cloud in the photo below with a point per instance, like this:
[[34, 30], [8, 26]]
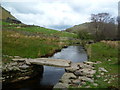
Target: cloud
[[59, 14]]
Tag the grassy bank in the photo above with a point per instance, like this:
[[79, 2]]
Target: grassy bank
[[107, 55], [32, 41]]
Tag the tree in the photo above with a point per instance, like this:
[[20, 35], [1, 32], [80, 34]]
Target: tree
[[100, 21]]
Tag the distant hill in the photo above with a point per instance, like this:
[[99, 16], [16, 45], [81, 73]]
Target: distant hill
[[110, 30], [81, 27]]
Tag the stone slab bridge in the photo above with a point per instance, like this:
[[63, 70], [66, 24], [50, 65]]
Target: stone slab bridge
[[46, 62]]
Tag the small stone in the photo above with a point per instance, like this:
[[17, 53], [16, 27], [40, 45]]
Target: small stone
[[95, 84], [102, 69], [83, 83], [87, 86], [109, 82], [109, 59], [24, 66], [77, 82], [105, 80], [102, 73]]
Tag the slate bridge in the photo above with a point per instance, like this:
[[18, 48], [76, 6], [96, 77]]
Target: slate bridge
[[46, 61]]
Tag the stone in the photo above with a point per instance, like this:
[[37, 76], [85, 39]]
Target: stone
[[61, 85], [80, 65], [76, 82], [89, 80], [98, 76], [106, 80], [68, 76], [24, 66], [62, 80], [98, 62], [84, 78], [102, 73], [85, 71], [78, 72], [51, 62], [102, 69], [88, 63], [87, 86], [83, 83], [73, 68], [95, 84]]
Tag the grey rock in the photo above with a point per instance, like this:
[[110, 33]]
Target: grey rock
[[68, 76], [83, 78], [102, 69], [88, 63], [76, 82], [95, 84], [67, 81], [73, 68], [61, 85], [24, 66]]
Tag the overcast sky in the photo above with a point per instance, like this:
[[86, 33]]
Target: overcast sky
[[58, 14]]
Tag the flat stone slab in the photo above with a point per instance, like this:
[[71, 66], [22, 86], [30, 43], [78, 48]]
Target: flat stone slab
[[47, 62], [50, 62]]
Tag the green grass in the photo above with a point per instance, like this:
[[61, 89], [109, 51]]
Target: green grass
[[33, 41], [103, 52]]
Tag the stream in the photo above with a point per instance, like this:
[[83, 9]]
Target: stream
[[51, 75]]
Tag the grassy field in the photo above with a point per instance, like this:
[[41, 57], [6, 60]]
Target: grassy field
[[32, 41], [108, 56]]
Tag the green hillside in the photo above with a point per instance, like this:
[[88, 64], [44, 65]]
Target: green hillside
[[5, 14], [32, 41]]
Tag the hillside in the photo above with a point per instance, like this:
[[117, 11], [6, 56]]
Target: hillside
[[31, 41], [5, 14], [107, 30]]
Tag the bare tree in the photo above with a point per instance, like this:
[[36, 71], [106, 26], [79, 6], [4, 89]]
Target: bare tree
[[100, 21]]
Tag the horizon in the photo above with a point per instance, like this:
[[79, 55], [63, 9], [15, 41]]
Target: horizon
[[59, 15]]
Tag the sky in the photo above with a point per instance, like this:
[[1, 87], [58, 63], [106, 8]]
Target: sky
[[58, 14]]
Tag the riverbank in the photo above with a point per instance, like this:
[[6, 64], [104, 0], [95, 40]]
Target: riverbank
[[26, 41], [106, 54], [102, 73]]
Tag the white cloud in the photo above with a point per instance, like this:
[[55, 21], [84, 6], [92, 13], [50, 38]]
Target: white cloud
[[59, 13]]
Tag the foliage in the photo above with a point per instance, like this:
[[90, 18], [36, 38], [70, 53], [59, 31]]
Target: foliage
[[83, 35]]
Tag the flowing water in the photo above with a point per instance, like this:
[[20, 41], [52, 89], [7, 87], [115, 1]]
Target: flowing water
[[51, 75]]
